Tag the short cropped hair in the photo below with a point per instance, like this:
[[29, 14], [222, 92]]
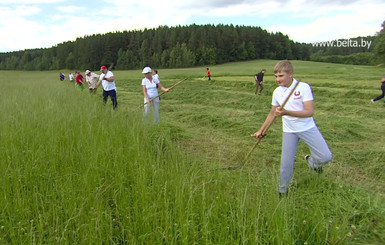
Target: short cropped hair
[[284, 66]]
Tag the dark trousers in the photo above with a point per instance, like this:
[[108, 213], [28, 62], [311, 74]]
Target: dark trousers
[[383, 92], [112, 94], [257, 85]]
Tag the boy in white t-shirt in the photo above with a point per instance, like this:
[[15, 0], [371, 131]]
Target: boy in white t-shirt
[[297, 123]]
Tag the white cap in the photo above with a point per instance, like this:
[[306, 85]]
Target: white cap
[[87, 71], [146, 70]]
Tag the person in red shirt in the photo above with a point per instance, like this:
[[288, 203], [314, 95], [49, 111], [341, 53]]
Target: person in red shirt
[[208, 73], [79, 80]]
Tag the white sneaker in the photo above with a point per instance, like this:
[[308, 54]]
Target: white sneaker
[[372, 101]]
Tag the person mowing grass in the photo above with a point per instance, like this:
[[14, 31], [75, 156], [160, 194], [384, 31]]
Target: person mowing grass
[[383, 91], [79, 80], [259, 80], [150, 85], [107, 80], [297, 123]]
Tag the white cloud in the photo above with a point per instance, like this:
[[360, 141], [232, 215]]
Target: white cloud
[[22, 34], [45, 23], [19, 11], [352, 23], [15, 2], [263, 9], [145, 14], [71, 9]]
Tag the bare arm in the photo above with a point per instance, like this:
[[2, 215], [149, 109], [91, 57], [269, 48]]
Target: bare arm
[[268, 121], [162, 88], [145, 94]]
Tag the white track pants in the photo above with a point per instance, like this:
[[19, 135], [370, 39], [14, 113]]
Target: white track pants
[[319, 150], [147, 109]]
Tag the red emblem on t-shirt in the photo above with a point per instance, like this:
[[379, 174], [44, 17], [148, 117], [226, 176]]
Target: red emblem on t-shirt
[[297, 93]]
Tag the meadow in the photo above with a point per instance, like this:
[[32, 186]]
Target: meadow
[[74, 171]]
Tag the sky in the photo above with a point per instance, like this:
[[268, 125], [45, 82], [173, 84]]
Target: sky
[[29, 24]]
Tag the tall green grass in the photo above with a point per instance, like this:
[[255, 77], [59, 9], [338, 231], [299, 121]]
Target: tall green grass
[[77, 172]]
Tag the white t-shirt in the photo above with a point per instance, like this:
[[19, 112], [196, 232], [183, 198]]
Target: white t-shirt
[[301, 94], [107, 86], [152, 90]]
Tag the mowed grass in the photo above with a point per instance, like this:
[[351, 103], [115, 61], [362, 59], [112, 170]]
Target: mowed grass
[[76, 172]]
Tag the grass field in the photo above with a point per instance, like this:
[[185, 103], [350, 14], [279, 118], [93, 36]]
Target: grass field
[[76, 172]]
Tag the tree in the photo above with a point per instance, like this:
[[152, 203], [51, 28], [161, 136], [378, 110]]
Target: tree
[[165, 59], [251, 50], [145, 54], [166, 47], [123, 60], [70, 61], [379, 49], [242, 52], [206, 56]]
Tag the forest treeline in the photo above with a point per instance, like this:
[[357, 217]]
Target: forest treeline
[[162, 47], [188, 46]]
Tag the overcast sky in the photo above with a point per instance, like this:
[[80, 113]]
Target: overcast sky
[[26, 24]]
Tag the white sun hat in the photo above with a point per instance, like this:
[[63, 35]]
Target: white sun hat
[[146, 69]]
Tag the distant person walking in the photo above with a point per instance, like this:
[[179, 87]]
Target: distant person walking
[[92, 80], [258, 81], [155, 74], [108, 83], [150, 85], [383, 91], [62, 76], [208, 74], [79, 80], [297, 122], [70, 76]]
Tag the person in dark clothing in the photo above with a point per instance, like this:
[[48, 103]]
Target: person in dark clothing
[[383, 91], [61, 76], [259, 80]]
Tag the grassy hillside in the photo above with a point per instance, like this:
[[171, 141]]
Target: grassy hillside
[[77, 172]]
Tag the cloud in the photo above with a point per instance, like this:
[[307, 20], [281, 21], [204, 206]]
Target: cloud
[[17, 2], [22, 33], [71, 9], [336, 24], [45, 23], [245, 9], [19, 11], [145, 14]]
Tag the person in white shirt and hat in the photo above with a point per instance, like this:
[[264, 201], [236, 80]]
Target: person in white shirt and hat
[[92, 80], [150, 85]]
